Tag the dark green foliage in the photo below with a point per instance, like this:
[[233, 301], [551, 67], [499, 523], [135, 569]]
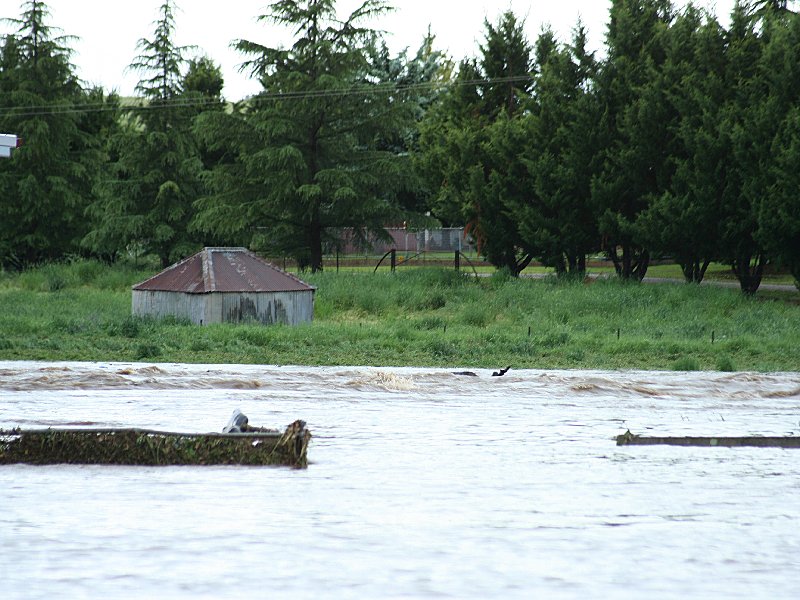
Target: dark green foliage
[[684, 220], [779, 214], [47, 183], [310, 155], [778, 209], [749, 129], [203, 78], [145, 204], [638, 138], [682, 143], [553, 157], [422, 77], [458, 138], [769, 8], [506, 66]]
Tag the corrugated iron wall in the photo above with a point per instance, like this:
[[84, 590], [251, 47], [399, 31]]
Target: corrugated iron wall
[[159, 304], [290, 308]]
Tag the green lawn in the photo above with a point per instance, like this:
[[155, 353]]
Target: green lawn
[[419, 317]]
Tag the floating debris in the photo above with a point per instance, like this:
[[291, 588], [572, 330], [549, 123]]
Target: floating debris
[[630, 439], [149, 447]]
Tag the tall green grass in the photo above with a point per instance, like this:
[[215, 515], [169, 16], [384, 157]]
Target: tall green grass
[[422, 317]]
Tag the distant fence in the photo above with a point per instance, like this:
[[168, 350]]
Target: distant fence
[[445, 239]]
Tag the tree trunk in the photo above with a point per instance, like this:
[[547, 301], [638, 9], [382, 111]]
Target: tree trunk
[[520, 265], [632, 264], [576, 264], [694, 270], [749, 272], [315, 246], [581, 263], [560, 265], [794, 268]]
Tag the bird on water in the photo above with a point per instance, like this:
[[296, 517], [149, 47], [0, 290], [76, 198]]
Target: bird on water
[[499, 373]]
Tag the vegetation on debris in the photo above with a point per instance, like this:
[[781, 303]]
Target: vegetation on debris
[[145, 447]]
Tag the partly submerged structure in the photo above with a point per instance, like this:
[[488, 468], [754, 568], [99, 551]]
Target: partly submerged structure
[[148, 447], [225, 285], [757, 441]]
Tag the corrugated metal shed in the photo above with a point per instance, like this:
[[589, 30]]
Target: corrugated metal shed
[[225, 285]]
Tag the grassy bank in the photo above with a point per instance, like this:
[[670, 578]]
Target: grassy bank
[[424, 317]]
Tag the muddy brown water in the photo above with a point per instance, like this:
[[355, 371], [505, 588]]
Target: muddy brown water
[[422, 484]]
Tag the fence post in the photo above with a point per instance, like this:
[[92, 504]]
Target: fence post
[[458, 260], [394, 259]]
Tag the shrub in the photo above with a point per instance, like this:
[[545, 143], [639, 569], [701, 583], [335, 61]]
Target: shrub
[[686, 363], [147, 351], [129, 327], [725, 364], [87, 271], [441, 349]]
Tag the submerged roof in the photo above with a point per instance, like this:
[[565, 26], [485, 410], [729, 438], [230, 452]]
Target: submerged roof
[[223, 270]]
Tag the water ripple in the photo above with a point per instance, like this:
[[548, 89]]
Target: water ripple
[[422, 483]]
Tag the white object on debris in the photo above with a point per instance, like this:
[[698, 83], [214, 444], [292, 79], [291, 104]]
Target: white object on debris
[[237, 424]]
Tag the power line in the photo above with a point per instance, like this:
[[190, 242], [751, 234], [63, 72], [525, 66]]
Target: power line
[[183, 102]]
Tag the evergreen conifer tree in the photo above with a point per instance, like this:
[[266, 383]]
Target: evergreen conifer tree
[[635, 168], [560, 155], [683, 222], [457, 143], [46, 185], [306, 165], [145, 205]]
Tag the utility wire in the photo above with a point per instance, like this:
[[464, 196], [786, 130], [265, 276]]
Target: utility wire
[[182, 102]]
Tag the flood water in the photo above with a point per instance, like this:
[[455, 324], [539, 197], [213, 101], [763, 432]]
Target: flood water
[[421, 484]]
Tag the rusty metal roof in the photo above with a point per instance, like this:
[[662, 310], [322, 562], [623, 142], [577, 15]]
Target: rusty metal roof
[[223, 270]]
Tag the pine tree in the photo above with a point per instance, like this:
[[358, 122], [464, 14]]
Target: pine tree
[[458, 143], [146, 203], [560, 155], [778, 209], [45, 186], [505, 65], [761, 8], [749, 128], [684, 221], [423, 77], [635, 168], [304, 163]]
